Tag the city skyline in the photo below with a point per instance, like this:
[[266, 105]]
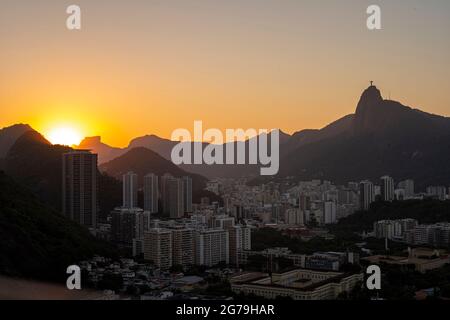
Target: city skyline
[[225, 151]]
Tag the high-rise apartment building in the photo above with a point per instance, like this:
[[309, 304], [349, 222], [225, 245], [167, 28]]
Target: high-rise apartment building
[[329, 212], [175, 194], [212, 247], [158, 247], [239, 240], [438, 192], [293, 216], [130, 190], [183, 246], [127, 224], [221, 221], [408, 187], [187, 194], [304, 202], [164, 191], [387, 188], [79, 187], [366, 194], [151, 193]]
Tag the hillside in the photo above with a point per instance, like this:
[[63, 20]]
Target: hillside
[[163, 147], [143, 161], [105, 152], [425, 211], [35, 240], [9, 135], [36, 163]]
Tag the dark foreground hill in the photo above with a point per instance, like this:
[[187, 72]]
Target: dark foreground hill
[[36, 163], [9, 135], [35, 240]]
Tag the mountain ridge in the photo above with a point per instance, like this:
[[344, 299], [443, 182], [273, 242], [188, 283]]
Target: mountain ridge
[[375, 120], [384, 137], [9, 136], [386, 131]]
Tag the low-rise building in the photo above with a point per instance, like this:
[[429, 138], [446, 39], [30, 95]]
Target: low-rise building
[[298, 284], [422, 259]]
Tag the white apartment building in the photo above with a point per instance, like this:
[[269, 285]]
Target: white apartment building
[[212, 247], [158, 247], [240, 239]]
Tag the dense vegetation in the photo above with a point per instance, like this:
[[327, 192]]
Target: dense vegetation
[[268, 238], [346, 231], [425, 211], [402, 284], [35, 240]]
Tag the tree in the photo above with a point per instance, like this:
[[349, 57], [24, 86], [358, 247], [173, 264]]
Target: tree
[[111, 281]]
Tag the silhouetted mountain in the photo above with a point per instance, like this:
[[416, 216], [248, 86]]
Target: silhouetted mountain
[[383, 137], [36, 163], [234, 170], [163, 147], [306, 136], [35, 240], [105, 152], [8, 136], [143, 161]]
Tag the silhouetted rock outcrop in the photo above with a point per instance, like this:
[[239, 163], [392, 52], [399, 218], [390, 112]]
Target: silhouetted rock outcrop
[[9, 135], [383, 137]]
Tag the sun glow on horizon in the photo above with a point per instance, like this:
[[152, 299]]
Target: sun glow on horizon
[[64, 136]]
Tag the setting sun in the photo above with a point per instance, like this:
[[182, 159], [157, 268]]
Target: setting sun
[[64, 136]]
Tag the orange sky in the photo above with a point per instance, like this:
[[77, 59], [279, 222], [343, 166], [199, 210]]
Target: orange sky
[[149, 67]]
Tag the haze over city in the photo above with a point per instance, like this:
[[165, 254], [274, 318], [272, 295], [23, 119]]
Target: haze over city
[[319, 167]]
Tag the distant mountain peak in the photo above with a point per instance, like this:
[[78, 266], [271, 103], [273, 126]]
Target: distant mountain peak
[[383, 136], [9, 135], [371, 111], [370, 98], [284, 137], [17, 126], [33, 137], [144, 141], [104, 151], [91, 140]]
